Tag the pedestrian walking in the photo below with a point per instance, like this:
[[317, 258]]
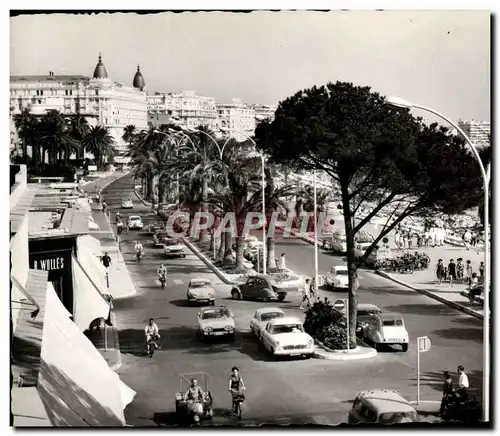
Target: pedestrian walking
[[468, 271], [405, 240], [419, 240], [467, 236], [440, 271], [410, 239], [481, 270], [306, 292], [432, 235], [452, 272], [473, 239], [448, 391], [460, 270], [427, 238], [463, 383], [104, 207], [397, 239], [282, 261]]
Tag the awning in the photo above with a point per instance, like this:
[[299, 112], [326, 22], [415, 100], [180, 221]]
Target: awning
[[75, 383], [89, 303], [89, 251]]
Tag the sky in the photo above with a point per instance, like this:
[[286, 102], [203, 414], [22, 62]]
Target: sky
[[438, 59]]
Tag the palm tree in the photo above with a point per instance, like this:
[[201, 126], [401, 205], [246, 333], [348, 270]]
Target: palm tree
[[239, 193], [322, 198], [100, 144], [24, 124], [198, 159], [79, 129], [276, 199], [129, 134], [55, 138]]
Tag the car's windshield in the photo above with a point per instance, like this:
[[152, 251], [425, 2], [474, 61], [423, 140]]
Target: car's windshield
[[341, 272], [172, 242], [135, 218], [286, 328], [393, 322], [271, 315], [161, 235], [199, 284], [367, 312], [216, 313], [398, 417]]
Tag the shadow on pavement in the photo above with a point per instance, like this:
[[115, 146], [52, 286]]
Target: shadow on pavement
[[435, 380], [388, 290], [184, 303], [422, 309], [464, 333], [468, 320]]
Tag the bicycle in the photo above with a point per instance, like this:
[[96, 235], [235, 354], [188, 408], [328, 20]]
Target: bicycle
[[238, 399]]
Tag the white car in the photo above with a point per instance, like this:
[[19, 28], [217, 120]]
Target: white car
[[93, 226], [127, 203], [215, 321], [338, 278], [200, 290], [339, 243], [286, 337], [173, 248], [386, 329], [135, 222], [262, 316]]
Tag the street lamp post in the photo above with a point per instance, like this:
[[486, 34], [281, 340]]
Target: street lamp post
[[263, 182], [315, 235], [399, 102]]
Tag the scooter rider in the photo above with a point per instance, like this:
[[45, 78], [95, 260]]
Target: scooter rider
[[138, 249], [194, 396], [236, 385], [162, 273], [151, 332]]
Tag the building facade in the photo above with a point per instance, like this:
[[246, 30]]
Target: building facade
[[264, 112], [100, 100], [236, 119], [477, 131], [190, 109]]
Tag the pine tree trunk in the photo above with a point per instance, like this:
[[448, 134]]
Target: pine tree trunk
[[351, 266], [220, 253], [228, 250]]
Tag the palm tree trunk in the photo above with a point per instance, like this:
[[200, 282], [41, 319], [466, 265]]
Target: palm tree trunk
[[239, 252], [271, 252], [204, 193], [228, 242], [220, 252]]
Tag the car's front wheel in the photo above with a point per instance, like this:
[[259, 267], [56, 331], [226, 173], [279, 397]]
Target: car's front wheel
[[236, 295], [281, 296], [404, 347]]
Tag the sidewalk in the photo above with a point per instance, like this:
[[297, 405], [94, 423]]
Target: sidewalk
[[425, 281]]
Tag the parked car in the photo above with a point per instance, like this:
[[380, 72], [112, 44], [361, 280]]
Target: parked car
[[387, 329], [339, 243], [262, 316], [338, 278], [127, 203], [215, 321], [159, 238], [286, 337], [364, 314], [381, 406], [135, 222], [200, 290], [173, 248], [258, 287]]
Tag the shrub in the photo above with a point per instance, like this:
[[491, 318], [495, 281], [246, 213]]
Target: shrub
[[324, 323]]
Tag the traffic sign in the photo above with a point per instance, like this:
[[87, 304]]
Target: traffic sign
[[424, 344], [339, 305]]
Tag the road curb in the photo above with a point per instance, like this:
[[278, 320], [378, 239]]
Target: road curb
[[327, 354], [429, 294], [207, 262]]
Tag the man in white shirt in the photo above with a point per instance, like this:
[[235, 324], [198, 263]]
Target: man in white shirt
[[463, 382], [306, 294], [151, 331], [282, 261]]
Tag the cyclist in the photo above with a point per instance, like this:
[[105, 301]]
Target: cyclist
[[139, 249], [162, 275]]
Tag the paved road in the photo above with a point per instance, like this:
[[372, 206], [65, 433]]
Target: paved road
[[299, 391]]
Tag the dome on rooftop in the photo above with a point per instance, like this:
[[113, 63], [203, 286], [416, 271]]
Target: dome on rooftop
[[100, 70], [139, 81]]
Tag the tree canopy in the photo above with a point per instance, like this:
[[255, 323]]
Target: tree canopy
[[380, 156]]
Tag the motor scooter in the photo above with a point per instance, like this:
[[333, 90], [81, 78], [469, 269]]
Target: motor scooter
[[138, 256], [163, 280]]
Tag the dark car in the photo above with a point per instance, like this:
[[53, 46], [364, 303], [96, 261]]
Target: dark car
[[258, 288], [159, 239]]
